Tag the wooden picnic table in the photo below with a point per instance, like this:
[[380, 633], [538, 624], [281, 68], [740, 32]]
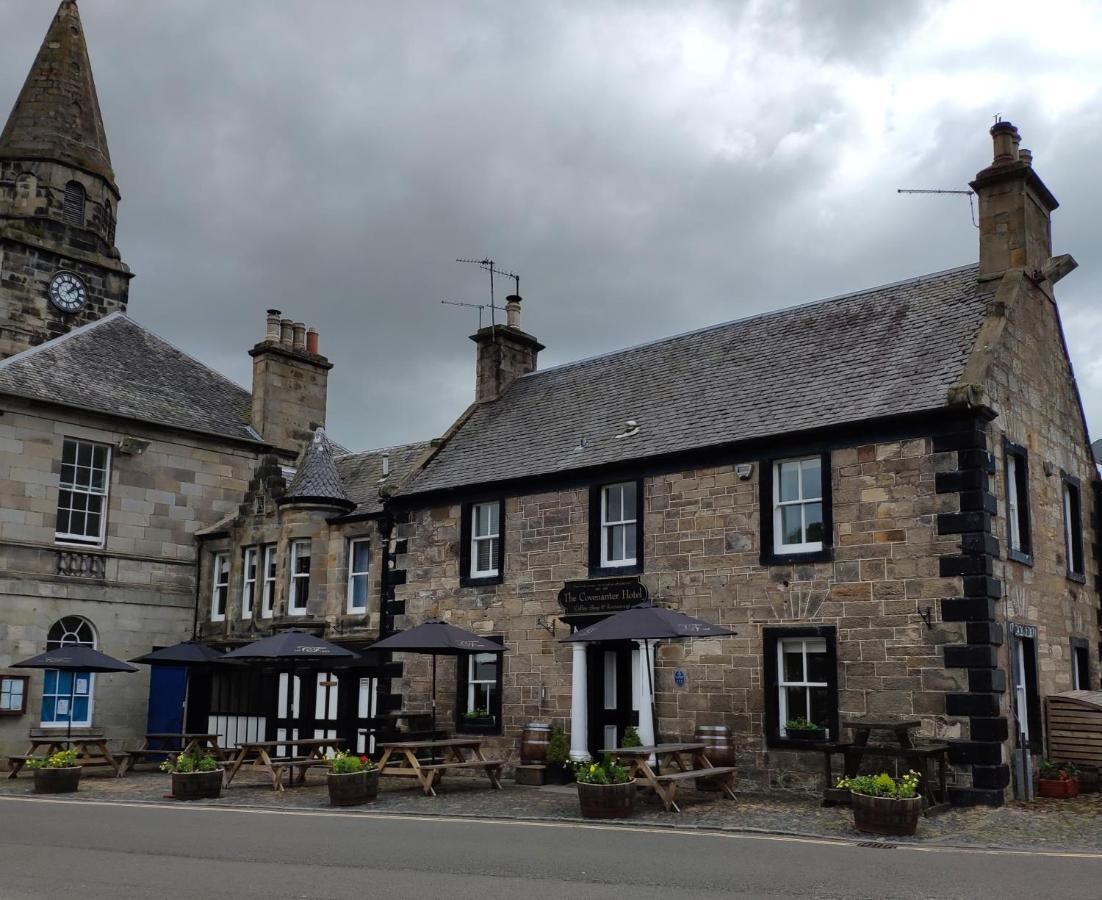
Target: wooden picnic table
[[400, 759], [91, 750], [670, 761], [184, 743], [931, 761], [257, 755]]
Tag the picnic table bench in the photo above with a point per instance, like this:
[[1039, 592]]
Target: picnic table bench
[[400, 758], [184, 744], [672, 756], [258, 755], [91, 750]]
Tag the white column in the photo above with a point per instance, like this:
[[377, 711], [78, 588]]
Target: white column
[[646, 695], [579, 707]]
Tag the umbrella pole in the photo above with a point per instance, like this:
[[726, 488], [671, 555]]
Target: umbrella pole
[[69, 717]]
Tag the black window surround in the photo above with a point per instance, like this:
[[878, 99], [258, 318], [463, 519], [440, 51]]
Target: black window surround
[[1081, 663], [771, 636], [462, 671], [596, 570], [1073, 518], [465, 535], [1024, 553], [765, 488]]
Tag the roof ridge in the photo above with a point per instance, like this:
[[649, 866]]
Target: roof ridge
[[60, 339], [756, 317], [352, 453]]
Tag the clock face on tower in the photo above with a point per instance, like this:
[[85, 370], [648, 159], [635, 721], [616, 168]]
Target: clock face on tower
[[68, 292]]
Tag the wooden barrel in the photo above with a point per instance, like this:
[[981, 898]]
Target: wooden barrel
[[720, 751], [533, 743]]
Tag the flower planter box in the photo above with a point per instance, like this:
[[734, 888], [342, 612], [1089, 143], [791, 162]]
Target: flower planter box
[[197, 785], [806, 734], [607, 801], [885, 815], [57, 781], [1058, 788], [479, 722], [353, 788]]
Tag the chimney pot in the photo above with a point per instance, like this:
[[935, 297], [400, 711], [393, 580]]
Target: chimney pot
[[512, 311], [1026, 156], [1005, 138], [311, 340], [271, 329], [298, 330], [286, 327]]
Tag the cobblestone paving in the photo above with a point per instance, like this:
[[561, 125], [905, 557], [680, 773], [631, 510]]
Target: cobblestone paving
[[1042, 825]]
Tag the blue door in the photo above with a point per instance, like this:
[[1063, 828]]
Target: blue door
[[167, 688]]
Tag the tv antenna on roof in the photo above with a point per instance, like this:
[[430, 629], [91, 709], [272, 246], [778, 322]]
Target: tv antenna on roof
[[968, 194], [488, 265]]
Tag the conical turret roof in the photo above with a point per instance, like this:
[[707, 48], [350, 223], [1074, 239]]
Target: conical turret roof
[[57, 114], [317, 478]]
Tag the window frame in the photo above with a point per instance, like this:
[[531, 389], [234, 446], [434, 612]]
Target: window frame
[[1071, 507], [350, 609], [71, 539], [599, 565], [772, 641], [771, 554], [462, 692], [294, 608], [54, 644], [1019, 530], [268, 580], [467, 578], [1081, 653], [219, 557], [25, 682], [248, 585]]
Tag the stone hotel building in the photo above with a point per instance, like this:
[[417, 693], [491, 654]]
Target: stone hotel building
[[889, 495]]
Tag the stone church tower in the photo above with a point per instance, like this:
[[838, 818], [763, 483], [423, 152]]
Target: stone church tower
[[59, 267]]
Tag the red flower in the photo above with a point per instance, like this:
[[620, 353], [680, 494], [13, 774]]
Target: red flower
[[363, 759]]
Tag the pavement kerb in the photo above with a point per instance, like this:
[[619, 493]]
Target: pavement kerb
[[917, 844]]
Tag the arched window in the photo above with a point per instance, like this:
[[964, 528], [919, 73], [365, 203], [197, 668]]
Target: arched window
[[72, 209], [68, 695]]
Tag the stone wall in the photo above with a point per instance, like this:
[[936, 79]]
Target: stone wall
[[701, 548], [138, 590]]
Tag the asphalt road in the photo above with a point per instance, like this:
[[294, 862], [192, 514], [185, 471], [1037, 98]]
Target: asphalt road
[[92, 851]]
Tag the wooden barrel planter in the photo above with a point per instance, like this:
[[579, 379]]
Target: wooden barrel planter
[[533, 743], [57, 781], [720, 751], [353, 788], [607, 801], [885, 815], [197, 785]]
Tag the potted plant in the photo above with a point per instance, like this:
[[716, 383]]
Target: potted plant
[[56, 774], [606, 790], [558, 770], [631, 738], [1057, 779], [478, 718], [884, 805], [195, 776], [801, 729], [352, 780]]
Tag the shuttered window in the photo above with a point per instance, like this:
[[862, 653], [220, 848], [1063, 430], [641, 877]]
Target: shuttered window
[[72, 208]]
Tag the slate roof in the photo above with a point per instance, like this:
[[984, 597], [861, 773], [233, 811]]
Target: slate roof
[[885, 351], [116, 367], [362, 473], [316, 477]]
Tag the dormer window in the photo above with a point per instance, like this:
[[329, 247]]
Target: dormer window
[[72, 207]]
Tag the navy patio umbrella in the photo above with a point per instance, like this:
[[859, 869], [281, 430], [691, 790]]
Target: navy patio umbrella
[[294, 647], [74, 658], [647, 623], [436, 638]]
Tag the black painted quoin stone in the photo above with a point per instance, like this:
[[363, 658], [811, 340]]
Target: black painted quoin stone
[[974, 563]]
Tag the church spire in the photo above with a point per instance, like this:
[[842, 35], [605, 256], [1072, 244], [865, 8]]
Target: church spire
[[57, 115]]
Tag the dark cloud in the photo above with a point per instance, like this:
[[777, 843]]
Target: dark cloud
[[647, 169]]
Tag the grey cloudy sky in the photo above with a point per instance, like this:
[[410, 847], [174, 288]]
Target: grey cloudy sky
[[648, 168]]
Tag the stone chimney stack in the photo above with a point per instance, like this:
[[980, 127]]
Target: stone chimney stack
[[290, 380], [1015, 209], [505, 353]]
